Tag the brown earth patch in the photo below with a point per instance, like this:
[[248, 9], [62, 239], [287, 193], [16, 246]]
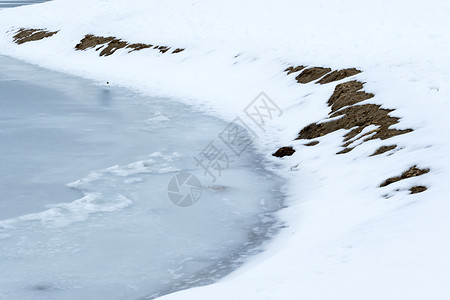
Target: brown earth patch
[[356, 118], [162, 49], [315, 73], [112, 47], [383, 149], [138, 46], [291, 70], [411, 172], [418, 189], [111, 44], [91, 41], [313, 143], [353, 117], [178, 50], [338, 75], [24, 35], [348, 93], [284, 151], [312, 74], [347, 113]]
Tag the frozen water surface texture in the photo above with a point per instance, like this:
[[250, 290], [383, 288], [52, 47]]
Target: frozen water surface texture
[[84, 206], [15, 3]]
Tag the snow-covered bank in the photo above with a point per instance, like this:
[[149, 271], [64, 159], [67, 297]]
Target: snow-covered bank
[[347, 237]]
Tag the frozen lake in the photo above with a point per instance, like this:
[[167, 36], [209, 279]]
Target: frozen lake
[[14, 3], [84, 208]]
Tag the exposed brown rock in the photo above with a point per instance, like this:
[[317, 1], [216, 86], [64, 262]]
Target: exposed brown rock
[[411, 172], [348, 93], [162, 49], [291, 70], [284, 151], [312, 74], [418, 189], [356, 118], [345, 114], [338, 75], [350, 139], [91, 41], [313, 143], [24, 35], [178, 50], [353, 117], [345, 150], [138, 47], [383, 149], [113, 45]]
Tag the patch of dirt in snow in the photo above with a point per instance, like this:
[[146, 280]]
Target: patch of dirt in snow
[[24, 35], [384, 149], [112, 47], [411, 172], [354, 118], [417, 189], [347, 112], [312, 74], [178, 50], [348, 93], [284, 151], [338, 75], [291, 70], [112, 44], [138, 47], [313, 143], [315, 73], [91, 41]]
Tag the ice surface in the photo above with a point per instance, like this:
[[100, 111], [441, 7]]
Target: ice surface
[[84, 206], [15, 3]]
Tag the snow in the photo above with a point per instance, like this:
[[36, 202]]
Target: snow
[[346, 238]]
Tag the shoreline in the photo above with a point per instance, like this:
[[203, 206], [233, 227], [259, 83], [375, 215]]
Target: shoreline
[[374, 143], [268, 223]]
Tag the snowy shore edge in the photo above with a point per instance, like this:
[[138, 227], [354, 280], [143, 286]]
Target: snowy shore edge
[[356, 225]]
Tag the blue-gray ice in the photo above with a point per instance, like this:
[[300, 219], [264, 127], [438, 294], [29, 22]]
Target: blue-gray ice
[[84, 210]]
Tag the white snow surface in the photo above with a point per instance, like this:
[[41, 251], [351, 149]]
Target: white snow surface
[[345, 238]]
